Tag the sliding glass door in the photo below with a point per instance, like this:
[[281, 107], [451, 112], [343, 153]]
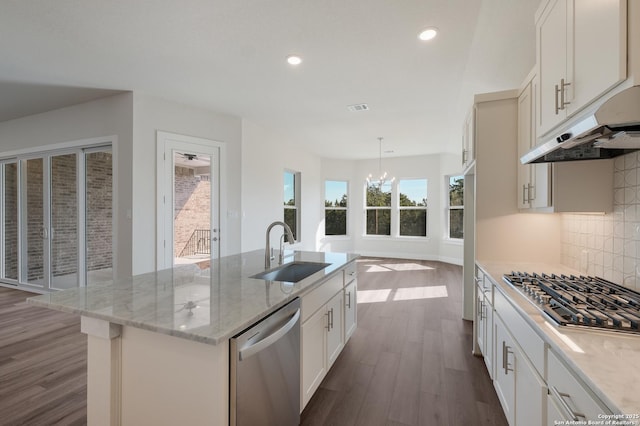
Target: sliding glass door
[[56, 212]]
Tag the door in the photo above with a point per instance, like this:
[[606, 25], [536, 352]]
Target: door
[[188, 200], [54, 208]]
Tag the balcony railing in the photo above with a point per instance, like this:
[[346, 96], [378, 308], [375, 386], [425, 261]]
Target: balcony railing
[[199, 243]]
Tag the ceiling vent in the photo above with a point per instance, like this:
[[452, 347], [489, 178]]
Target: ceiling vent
[[358, 107]]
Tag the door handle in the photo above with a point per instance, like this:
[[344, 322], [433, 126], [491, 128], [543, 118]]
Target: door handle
[[270, 339]]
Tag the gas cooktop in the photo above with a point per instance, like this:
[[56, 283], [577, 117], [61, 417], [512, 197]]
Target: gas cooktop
[[580, 301]]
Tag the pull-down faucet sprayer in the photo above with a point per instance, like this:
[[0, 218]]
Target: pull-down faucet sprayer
[[267, 247]]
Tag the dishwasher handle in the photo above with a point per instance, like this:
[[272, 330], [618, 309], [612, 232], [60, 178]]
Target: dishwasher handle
[[270, 339]]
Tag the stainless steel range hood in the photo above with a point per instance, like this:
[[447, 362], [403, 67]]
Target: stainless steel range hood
[[614, 129]]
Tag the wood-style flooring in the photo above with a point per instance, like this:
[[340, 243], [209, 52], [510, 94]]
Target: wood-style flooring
[[408, 363], [43, 364]]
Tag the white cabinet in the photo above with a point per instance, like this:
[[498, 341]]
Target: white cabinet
[[520, 389], [484, 318], [335, 328], [534, 180], [313, 353], [329, 318], [567, 46], [350, 309], [468, 141], [568, 399]]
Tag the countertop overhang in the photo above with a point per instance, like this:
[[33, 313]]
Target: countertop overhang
[[604, 360], [207, 302]]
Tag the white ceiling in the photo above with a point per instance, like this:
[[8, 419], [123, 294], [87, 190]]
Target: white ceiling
[[229, 56]]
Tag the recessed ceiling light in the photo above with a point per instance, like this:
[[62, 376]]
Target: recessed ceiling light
[[294, 60], [428, 33]]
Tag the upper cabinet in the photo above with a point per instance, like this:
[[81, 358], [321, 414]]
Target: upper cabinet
[[581, 53], [468, 141]]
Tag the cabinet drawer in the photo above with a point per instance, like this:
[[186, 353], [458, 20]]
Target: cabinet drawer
[[350, 272], [527, 338], [484, 284], [572, 400], [312, 301]]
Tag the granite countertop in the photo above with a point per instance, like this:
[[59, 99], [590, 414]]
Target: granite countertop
[[605, 361], [204, 302]]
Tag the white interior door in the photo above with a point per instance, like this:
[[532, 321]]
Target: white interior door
[[188, 228]]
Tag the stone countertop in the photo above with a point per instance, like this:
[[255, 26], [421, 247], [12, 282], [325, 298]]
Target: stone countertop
[[605, 361], [200, 302]]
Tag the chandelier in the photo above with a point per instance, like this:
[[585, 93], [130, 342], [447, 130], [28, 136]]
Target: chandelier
[[382, 179]]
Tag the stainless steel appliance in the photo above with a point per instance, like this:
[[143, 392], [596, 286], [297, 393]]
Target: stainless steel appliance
[[582, 301], [612, 130], [265, 371]]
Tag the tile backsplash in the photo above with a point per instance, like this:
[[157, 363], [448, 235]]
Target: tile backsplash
[[608, 245]]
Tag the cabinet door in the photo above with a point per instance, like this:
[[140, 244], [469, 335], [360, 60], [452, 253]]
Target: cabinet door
[[480, 323], [525, 105], [488, 351], [504, 380], [350, 309], [610, 46], [531, 392], [335, 337], [313, 362], [552, 60]]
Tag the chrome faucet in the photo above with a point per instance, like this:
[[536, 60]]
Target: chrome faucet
[[267, 247]]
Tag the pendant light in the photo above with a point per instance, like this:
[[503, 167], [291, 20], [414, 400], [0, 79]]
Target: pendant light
[[382, 179]]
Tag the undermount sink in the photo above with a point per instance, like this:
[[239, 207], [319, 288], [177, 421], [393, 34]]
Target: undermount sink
[[291, 272]]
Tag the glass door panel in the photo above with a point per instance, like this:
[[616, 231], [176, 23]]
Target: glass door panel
[[34, 231], [10, 221], [192, 207], [98, 216], [63, 232]]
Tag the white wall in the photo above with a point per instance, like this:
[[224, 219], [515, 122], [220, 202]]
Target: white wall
[[265, 156], [106, 117], [152, 114], [432, 167]]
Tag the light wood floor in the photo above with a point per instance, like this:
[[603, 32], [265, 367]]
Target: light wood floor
[[408, 363]]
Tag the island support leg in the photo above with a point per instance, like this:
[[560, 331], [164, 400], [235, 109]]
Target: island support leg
[[103, 371]]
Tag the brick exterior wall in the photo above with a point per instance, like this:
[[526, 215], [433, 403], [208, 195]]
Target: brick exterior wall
[[11, 220], [192, 206], [99, 211], [64, 220]]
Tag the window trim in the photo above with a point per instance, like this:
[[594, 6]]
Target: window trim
[[425, 208], [297, 183], [449, 207], [346, 209]]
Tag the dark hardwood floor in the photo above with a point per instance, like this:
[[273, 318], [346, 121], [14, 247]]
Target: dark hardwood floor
[[408, 363], [43, 364]]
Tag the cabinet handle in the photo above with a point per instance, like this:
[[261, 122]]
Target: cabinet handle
[[328, 327], [506, 350], [524, 197], [331, 321], [349, 300], [561, 399], [529, 197], [557, 103], [562, 87], [464, 156]]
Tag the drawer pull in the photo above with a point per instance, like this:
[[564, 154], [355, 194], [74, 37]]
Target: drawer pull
[[506, 350], [560, 397], [349, 300]]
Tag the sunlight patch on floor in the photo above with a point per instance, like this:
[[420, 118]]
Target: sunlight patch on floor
[[401, 294], [398, 267]]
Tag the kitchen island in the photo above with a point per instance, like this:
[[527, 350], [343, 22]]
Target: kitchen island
[[158, 343]]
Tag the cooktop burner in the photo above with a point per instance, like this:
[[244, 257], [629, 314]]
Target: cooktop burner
[[582, 301]]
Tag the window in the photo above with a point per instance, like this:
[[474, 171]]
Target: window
[[412, 207], [335, 207], [292, 203], [456, 206], [379, 209]]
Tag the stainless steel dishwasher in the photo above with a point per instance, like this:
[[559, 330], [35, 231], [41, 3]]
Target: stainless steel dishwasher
[[265, 371]]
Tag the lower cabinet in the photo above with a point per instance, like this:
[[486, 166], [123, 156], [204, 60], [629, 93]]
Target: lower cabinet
[[350, 309], [520, 388], [568, 399], [329, 318]]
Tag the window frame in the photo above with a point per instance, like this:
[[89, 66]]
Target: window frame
[[401, 208], [297, 183], [449, 207], [390, 208], [338, 208]]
